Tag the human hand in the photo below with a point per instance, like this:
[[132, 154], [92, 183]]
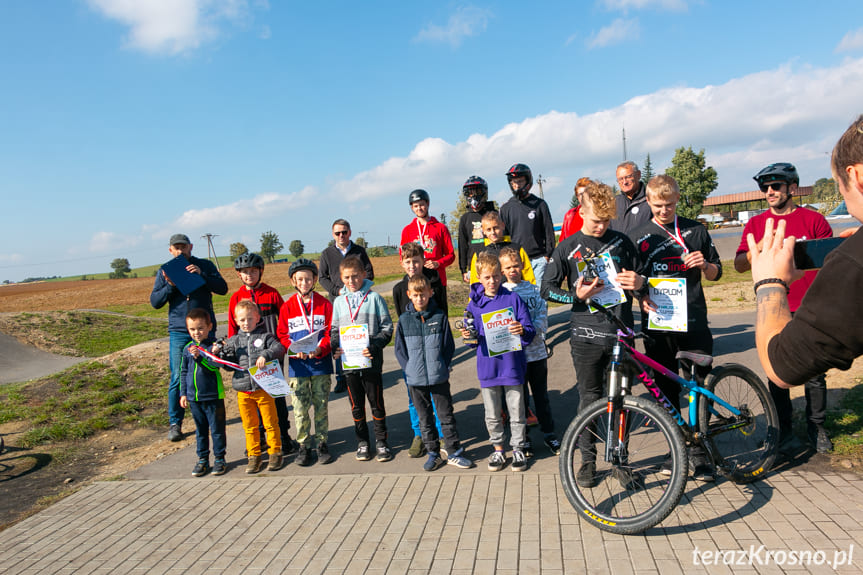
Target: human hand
[[516, 328], [184, 402], [466, 277], [260, 362], [431, 264], [464, 333], [195, 351], [167, 279], [337, 353], [695, 260], [629, 280], [848, 233], [647, 304], [193, 269], [367, 352], [317, 353], [584, 291], [775, 256]]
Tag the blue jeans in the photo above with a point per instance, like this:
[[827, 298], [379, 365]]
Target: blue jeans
[[209, 419], [179, 339], [538, 266], [415, 418]]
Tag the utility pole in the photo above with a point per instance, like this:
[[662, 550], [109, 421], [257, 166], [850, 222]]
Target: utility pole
[[624, 143], [363, 235], [540, 182], [211, 249]]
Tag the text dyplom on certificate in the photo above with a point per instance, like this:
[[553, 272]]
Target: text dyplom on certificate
[[612, 294], [353, 340], [498, 339], [271, 379], [669, 297]]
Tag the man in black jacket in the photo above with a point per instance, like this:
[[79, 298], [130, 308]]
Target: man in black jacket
[[631, 204]]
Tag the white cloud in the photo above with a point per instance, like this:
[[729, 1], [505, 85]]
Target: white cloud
[[109, 242], [624, 5], [261, 207], [467, 21], [615, 33], [851, 42], [172, 26]]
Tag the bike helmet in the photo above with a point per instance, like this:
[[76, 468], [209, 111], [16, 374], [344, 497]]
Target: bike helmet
[[475, 189], [302, 264], [248, 260], [782, 172], [418, 195], [520, 170]]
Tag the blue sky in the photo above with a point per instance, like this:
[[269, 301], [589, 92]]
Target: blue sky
[[123, 122]]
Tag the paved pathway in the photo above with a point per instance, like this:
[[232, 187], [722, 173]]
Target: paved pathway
[[357, 517]]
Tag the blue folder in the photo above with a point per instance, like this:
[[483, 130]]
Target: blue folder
[[185, 281]]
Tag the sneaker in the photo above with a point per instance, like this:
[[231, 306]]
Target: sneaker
[[341, 385], [276, 461], [553, 444], [789, 446], [289, 446], [363, 452], [665, 467], [433, 462], [304, 458], [819, 439], [384, 453], [254, 465], [324, 456], [531, 419], [201, 468], [627, 479], [519, 460], [219, 466], [175, 432], [586, 476], [443, 451], [497, 460], [418, 448], [527, 449], [459, 460], [701, 469]]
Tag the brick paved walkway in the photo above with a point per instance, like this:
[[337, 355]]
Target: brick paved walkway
[[456, 522]]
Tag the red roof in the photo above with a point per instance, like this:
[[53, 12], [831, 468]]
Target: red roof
[[748, 197]]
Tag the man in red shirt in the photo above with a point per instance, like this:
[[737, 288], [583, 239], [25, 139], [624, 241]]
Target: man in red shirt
[[432, 235], [572, 221], [779, 182]]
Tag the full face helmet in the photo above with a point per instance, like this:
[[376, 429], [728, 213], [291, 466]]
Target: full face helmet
[[475, 189], [520, 170]]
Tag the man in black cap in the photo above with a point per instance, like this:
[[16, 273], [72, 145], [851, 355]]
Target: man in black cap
[[179, 304]]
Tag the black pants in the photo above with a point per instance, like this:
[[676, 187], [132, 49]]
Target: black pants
[[816, 403], [663, 347], [367, 384], [591, 364], [536, 378], [423, 396]]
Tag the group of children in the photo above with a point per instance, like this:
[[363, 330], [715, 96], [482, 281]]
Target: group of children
[[313, 332]]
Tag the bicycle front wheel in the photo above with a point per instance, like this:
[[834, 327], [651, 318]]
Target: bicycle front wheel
[[635, 490], [746, 451]]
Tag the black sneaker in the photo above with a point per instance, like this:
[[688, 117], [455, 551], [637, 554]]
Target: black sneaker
[[527, 449], [175, 432], [519, 460], [304, 458], [628, 480], [701, 469], [219, 466], [289, 446], [497, 460], [363, 452], [819, 439], [324, 456], [384, 453], [586, 476], [341, 385], [201, 468], [553, 444]]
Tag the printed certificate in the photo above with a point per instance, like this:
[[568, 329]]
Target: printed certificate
[[353, 340], [307, 344], [498, 340], [669, 296], [612, 294], [271, 379]]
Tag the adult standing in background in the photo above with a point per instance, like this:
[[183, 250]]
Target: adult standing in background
[[528, 220], [430, 234], [331, 280], [631, 204], [573, 221], [179, 304]]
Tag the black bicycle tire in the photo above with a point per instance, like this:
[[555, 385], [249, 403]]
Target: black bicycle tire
[[570, 457], [762, 461]]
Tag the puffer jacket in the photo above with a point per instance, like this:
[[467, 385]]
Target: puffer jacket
[[424, 345], [245, 348]]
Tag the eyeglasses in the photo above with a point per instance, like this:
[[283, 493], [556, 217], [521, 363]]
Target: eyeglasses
[[341, 232], [775, 186]]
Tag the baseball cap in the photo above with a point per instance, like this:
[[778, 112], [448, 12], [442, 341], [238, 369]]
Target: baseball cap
[[179, 239]]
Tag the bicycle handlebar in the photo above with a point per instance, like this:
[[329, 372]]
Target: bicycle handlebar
[[622, 328]]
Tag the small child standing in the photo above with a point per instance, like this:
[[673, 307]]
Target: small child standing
[[495, 240], [250, 270], [413, 262], [536, 353], [202, 392], [358, 306], [253, 346], [309, 369], [501, 374], [424, 349]]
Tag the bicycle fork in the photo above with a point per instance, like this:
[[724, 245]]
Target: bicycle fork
[[615, 433]]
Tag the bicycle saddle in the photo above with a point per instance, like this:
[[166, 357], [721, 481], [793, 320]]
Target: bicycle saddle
[[701, 359]]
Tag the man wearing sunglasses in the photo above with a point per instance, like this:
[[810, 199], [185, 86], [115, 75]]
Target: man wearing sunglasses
[[331, 280], [779, 182]]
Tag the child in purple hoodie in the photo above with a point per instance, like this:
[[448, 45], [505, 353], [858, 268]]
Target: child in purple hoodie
[[501, 374]]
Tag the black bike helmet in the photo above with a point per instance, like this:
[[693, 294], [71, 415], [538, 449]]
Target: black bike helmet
[[782, 172], [302, 264], [520, 170], [418, 195], [249, 260], [475, 189]]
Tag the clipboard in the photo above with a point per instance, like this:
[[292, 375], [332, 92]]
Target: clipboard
[[185, 281]]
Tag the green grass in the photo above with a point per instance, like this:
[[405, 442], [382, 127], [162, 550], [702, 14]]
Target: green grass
[[845, 424], [84, 400], [729, 276], [90, 334]]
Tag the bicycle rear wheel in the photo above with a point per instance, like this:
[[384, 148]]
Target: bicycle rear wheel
[[746, 452], [632, 494]]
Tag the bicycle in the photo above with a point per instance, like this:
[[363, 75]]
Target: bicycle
[[636, 439]]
